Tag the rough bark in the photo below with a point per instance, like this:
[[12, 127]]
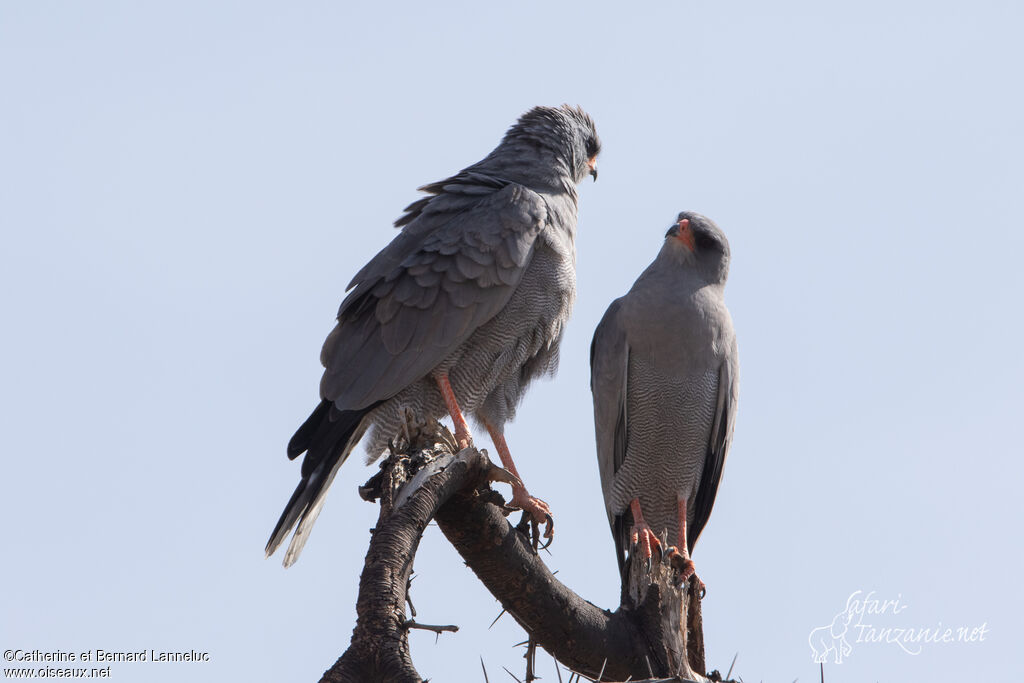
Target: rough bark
[[379, 649], [644, 638], [668, 612]]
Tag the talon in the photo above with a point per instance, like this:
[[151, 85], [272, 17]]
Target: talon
[[537, 509], [643, 537], [551, 540], [687, 571], [702, 589]]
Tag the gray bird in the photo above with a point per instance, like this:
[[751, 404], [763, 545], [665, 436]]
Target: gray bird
[[458, 314], [665, 377]]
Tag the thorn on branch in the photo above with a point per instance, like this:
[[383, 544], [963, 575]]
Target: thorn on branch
[[531, 657], [734, 657], [493, 473], [512, 675], [408, 596]]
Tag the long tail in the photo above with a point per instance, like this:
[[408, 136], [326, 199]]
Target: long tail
[[327, 437], [622, 525]]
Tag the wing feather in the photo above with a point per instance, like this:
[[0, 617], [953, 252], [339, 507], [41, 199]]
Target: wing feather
[[452, 269], [718, 446], [609, 377]]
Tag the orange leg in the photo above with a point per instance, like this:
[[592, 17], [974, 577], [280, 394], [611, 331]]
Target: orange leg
[[642, 534], [681, 539], [461, 428], [681, 556], [521, 498]]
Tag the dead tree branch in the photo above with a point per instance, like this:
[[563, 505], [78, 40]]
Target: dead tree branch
[[423, 480], [410, 488]]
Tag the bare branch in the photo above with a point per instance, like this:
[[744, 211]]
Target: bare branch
[[657, 631], [379, 650], [451, 628]]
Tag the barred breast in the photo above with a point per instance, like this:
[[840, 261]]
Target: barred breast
[[670, 421], [490, 371]]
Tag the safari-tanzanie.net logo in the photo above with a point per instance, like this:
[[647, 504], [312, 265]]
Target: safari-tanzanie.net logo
[[871, 620]]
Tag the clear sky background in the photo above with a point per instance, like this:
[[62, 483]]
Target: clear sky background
[[187, 187]]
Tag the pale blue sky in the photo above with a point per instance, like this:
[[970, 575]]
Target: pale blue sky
[[187, 187]]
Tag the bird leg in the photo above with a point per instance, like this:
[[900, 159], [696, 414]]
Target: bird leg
[[641, 534], [461, 428], [681, 558], [521, 498]]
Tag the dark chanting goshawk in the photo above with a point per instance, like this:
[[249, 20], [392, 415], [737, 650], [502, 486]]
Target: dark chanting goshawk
[[458, 314], [665, 379]]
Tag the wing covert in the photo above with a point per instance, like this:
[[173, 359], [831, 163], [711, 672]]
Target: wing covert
[[609, 377], [445, 275]]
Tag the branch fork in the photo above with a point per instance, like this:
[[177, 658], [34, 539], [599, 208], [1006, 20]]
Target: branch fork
[[426, 477]]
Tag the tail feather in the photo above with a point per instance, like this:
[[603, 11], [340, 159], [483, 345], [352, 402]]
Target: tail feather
[[299, 443], [327, 437], [622, 525]]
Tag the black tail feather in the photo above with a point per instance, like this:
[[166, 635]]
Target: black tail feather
[[327, 436], [299, 443], [622, 525]]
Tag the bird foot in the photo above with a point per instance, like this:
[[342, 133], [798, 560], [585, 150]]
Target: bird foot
[[644, 538], [463, 438], [537, 510], [687, 571]]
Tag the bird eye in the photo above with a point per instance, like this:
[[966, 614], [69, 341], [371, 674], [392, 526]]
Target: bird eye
[[706, 241]]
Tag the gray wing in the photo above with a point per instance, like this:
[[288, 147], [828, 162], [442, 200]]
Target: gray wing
[[454, 267], [718, 445], [609, 375]]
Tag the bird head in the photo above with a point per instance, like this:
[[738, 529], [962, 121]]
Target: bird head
[[564, 136], [697, 242]]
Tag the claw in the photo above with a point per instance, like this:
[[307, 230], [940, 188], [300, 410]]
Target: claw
[[687, 571], [549, 529], [535, 508], [643, 541]]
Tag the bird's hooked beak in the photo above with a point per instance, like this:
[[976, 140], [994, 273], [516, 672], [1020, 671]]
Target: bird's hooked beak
[[592, 164], [684, 233]]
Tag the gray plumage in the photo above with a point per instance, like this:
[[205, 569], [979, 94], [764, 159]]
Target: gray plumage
[[665, 377], [477, 287]]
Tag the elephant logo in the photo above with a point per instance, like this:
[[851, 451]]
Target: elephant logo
[[832, 638]]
